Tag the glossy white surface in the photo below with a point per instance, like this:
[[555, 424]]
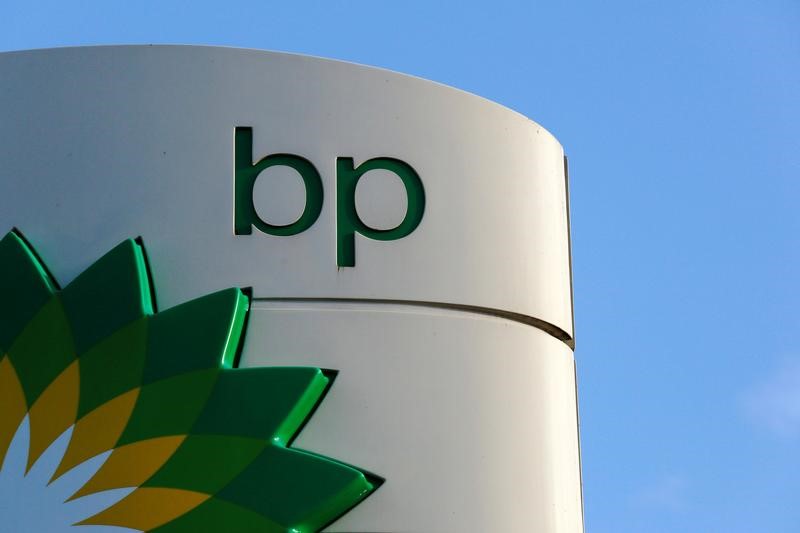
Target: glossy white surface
[[471, 419], [149, 131]]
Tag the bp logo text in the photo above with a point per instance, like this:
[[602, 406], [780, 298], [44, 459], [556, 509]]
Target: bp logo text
[[348, 222]]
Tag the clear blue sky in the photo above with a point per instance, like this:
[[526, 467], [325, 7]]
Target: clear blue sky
[[681, 120]]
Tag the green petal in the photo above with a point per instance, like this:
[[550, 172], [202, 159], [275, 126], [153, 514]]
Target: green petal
[[169, 406], [297, 489], [206, 463], [200, 334], [25, 287], [290, 392], [108, 295], [216, 516], [113, 366], [43, 349]]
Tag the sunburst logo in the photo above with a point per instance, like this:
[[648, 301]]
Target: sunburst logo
[[204, 446]]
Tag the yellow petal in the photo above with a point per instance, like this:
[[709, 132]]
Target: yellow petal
[[131, 465], [97, 432], [148, 508], [54, 411], [12, 405]]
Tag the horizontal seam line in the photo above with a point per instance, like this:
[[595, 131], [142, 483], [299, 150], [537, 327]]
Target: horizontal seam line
[[543, 325]]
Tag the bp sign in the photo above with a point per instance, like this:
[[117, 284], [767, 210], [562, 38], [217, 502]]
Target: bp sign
[[347, 307]]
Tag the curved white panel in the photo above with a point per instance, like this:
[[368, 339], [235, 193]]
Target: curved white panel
[[149, 131], [471, 419]]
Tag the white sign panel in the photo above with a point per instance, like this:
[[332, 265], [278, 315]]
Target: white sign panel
[[408, 235]]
